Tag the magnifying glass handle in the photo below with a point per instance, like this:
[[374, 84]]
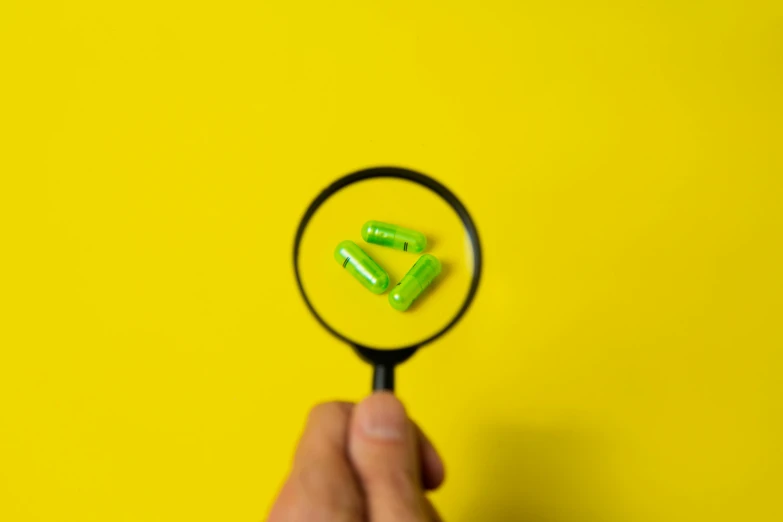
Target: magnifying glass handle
[[383, 377]]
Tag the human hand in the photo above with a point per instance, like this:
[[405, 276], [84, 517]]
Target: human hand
[[360, 463]]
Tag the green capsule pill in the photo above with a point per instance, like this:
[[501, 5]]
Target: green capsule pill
[[415, 282], [362, 267], [393, 236]]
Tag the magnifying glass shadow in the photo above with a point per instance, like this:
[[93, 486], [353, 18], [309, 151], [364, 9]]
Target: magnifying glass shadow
[[540, 475]]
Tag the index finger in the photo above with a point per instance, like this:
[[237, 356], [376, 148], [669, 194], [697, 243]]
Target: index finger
[[322, 484]]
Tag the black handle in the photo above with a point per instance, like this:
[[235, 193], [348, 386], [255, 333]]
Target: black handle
[[383, 377]]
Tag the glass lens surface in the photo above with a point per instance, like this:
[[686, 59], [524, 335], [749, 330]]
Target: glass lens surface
[[374, 228]]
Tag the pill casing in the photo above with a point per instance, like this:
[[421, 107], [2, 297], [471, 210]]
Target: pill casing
[[394, 236], [415, 282], [362, 267]]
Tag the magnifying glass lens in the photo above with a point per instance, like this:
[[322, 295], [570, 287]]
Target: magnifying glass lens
[[386, 227]]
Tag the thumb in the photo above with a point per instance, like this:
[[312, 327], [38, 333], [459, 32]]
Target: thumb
[[383, 448]]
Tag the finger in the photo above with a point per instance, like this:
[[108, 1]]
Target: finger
[[326, 432], [322, 486], [383, 447], [433, 471]]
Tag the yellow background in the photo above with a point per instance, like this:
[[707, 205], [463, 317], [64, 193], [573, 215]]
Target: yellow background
[[623, 163]]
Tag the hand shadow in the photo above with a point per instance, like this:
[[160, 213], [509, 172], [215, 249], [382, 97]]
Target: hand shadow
[[532, 475]]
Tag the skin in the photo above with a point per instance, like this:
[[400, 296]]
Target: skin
[[361, 463]]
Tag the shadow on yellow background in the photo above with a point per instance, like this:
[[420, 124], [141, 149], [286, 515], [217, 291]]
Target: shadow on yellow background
[[540, 475], [623, 164]]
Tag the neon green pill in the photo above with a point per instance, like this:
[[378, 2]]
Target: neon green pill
[[393, 236], [362, 267], [415, 282]]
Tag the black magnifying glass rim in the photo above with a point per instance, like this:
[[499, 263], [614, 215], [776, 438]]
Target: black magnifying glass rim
[[392, 355]]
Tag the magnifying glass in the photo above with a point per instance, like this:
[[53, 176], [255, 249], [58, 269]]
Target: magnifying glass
[[387, 260]]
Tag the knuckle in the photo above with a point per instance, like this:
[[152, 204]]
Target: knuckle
[[397, 482], [330, 496], [327, 411]]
